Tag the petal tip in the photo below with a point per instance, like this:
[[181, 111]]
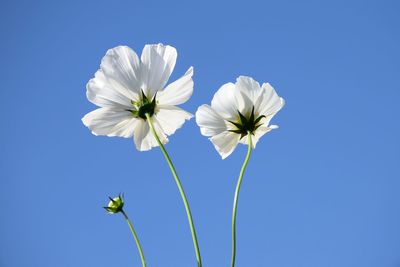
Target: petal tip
[[190, 71], [283, 102], [85, 120]]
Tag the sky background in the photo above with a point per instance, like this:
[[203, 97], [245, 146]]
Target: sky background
[[321, 191]]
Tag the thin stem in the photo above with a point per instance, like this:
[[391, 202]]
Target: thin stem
[[235, 200], [182, 192], [136, 238]]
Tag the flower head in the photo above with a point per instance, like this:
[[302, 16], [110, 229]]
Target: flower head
[[115, 205], [236, 111], [126, 88]]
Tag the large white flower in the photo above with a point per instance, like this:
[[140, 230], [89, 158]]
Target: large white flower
[[236, 110], [126, 88]]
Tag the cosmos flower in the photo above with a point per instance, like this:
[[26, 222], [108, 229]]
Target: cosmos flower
[[236, 111], [127, 88]]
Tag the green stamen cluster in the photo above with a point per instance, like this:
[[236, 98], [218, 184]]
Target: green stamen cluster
[[144, 106], [247, 124]]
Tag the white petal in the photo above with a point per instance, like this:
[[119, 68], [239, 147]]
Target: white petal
[[110, 122], [260, 132], [117, 81], [210, 122], [144, 138], [140, 136], [122, 66], [171, 118], [125, 128], [177, 92], [106, 93], [158, 62], [225, 143], [269, 103], [159, 130], [249, 87], [225, 102]]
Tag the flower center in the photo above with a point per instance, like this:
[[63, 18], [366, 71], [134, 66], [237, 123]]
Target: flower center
[[246, 124], [143, 107]]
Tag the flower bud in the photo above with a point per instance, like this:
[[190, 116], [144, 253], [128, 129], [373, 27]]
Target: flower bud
[[115, 205]]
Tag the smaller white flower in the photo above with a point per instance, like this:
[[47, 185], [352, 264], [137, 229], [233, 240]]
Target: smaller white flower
[[237, 110], [127, 88]]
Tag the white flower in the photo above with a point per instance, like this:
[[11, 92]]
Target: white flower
[[236, 110], [126, 88]]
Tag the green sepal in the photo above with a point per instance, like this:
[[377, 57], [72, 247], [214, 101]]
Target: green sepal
[[238, 125], [246, 125], [259, 118], [243, 119]]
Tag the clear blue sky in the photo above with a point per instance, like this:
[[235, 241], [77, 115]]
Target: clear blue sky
[[321, 191]]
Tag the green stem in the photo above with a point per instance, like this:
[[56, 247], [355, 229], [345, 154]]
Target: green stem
[[136, 238], [182, 192], [235, 200]]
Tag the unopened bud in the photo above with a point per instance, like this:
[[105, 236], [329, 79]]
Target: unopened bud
[[115, 205]]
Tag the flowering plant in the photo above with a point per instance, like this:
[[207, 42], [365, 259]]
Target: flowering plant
[[135, 102]]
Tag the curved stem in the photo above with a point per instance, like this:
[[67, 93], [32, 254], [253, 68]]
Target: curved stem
[[181, 191], [235, 200], [136, 238]]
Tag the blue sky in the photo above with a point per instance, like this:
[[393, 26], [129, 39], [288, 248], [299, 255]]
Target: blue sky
[[321, 191]]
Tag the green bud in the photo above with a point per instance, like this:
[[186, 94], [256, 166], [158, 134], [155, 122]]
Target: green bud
[[115, 205]]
